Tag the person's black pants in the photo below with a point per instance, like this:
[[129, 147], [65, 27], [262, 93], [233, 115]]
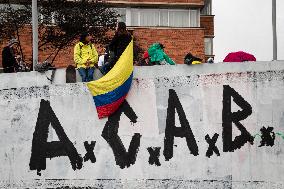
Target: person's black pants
[[109, 65], [9, 70]]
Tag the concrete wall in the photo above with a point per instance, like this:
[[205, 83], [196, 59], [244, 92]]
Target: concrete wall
[[198, 100]]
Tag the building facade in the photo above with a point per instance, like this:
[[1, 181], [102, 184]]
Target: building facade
[[182, 26]]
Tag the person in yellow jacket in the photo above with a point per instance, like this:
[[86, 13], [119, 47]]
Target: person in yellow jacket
[[85, 57]]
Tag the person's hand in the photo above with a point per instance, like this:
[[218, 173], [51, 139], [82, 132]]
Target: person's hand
[[147, 61], [88, 63]]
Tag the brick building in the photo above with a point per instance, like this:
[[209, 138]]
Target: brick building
[[181, 25]]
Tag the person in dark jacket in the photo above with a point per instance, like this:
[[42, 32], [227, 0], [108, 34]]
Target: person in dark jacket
[[9, 61], [190, 59], [118, 44]]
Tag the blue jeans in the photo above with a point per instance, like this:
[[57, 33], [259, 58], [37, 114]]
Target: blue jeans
[[87, 74]]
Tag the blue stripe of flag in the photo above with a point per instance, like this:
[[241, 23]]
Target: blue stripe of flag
[[114, 95]]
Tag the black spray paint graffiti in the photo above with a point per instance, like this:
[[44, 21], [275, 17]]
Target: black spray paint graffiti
[[173, 131], [154, 155], [230, 117], [41, 149], [90, 152], [212, 145], [110, 134], [267, 137]]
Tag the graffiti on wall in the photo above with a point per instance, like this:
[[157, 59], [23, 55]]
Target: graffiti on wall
[[42, 149]]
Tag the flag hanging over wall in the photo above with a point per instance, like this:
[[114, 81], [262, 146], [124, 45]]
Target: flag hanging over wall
[[110, 91]]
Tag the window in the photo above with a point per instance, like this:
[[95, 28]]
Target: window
[[194, 18], [149, 17], [208, 44], [160, 17], [207, 10], [48, 19], [179, 18], [122, 15], [135, 17], [164, 17], [13, 6]]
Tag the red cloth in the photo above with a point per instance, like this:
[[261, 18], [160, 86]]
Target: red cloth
[[239, 56], [106, 110], [146, 55]]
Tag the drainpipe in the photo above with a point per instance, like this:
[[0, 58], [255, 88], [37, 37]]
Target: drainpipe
[[274, 29], [35, 32]]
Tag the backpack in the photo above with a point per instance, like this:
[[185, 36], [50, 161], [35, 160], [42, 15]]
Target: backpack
[[42, 67]]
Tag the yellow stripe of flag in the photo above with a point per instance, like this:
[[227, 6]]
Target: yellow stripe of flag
[[116, 76]]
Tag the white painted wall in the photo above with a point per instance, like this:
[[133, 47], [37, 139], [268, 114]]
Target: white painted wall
[[200, 91]]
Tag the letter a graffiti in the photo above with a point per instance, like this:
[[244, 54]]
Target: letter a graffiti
[[41, 149], [173, 131]]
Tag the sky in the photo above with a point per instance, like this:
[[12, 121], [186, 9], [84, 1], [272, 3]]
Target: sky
[[247, 25]]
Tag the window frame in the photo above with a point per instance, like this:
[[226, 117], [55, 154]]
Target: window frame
[[179, 10], [129, 22]]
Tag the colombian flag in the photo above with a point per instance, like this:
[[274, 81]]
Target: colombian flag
[[110, 91]]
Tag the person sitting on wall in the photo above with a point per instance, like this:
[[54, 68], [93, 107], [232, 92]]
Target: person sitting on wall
[[118, 44], [210, 60], [85, 57], [158, 55], [189, 59], [145, 60], [9, 61], [103, 59]]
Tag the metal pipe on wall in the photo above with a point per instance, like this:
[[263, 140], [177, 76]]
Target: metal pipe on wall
[[274, 29], [35, 32]]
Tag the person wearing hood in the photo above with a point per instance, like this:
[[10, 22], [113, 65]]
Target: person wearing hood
[[9, 61], [85, 57], [158, 55]]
